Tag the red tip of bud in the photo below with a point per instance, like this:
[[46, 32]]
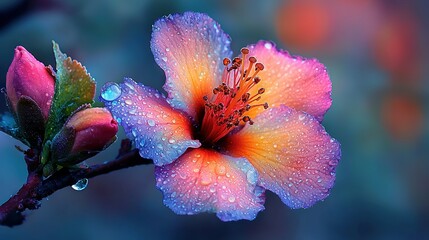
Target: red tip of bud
[[29, 77], [95, 128]]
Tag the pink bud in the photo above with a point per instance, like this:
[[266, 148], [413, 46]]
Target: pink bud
[[29, 77], [94, 127]]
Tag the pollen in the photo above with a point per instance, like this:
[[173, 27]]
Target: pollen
[[226, 106]]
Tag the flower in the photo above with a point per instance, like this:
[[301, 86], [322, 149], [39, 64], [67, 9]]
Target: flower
[[229, 129], [86, 133], [30, 78]]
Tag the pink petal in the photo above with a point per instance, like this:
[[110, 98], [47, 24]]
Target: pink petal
[[204, 180], [299, 83]]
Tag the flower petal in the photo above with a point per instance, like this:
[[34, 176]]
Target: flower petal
[[299, 83], [190, 49], [204, 180], [160, 132], [292, 152]]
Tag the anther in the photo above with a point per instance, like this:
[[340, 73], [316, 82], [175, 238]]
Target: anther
[[245, 51], [261, 90], [226, 61], [259, 66], [246, 118], [265, 105], [252, 59], [245, 97], [257, 79], [205, 98]]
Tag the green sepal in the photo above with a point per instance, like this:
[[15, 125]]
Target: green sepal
[[49, 169], [30, 120], [46, 153], [76, 158], [62, 144], [74, 87]]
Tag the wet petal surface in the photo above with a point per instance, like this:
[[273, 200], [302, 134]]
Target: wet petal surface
[[204, 180], [293, 154], [299, 83], [160, 132], [190, 49]]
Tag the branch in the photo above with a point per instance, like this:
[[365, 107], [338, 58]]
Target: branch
[[36, 188]]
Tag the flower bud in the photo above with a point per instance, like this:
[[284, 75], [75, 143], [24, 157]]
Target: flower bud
[[86, 133], [27, 77], [94, 129]]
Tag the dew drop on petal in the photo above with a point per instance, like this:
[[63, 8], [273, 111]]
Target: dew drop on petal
[[151, 122], [206, 179], [220, 170], [268, 45], [80, 185], [252, 177], [111, 91]]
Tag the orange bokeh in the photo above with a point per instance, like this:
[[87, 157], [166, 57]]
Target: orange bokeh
[[305, 25], [402, 115]]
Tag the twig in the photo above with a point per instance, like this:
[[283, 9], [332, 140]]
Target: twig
[[36, 188]]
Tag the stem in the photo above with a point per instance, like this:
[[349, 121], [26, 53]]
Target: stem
[[36, 188]]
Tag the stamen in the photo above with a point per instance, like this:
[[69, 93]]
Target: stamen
[[223, 111]]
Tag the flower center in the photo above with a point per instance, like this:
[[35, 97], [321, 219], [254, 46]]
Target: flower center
[[226, 108]]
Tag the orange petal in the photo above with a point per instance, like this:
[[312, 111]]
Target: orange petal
[[293, 154], [190, 49]]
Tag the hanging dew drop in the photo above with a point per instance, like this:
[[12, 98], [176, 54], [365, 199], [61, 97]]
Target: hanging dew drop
[[80, 185], [111, 91]]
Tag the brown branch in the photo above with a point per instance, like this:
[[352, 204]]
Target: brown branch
[[36, 188]]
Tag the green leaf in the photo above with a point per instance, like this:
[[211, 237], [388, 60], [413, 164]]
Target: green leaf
[[74, 87]]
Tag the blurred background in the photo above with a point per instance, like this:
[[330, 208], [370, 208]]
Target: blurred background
[[377, 56]]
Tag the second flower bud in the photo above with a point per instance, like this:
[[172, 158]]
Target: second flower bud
[[86, 133]]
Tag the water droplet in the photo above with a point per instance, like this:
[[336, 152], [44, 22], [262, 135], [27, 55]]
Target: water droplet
[[151, 122], [111, 91], [133, 111], [319, 180], [80, 185], [129, 101], [220, 170], [268, 45], [167, 49], [129, 85], [301, 117], [231, 199], [164, 59], [206, 179], [171, 140], [212, 189], [196, 170], [252, 177]]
